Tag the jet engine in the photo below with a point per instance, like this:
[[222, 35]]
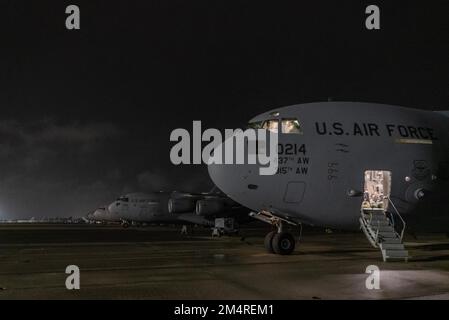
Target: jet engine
[[209, 206], [181, 205]]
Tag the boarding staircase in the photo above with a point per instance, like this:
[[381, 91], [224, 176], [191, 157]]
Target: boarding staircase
[[381, 228]]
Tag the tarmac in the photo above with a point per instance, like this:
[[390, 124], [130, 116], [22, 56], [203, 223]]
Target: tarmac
[[159, 263]]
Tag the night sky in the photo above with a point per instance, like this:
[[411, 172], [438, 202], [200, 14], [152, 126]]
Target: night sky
[[86, 115]]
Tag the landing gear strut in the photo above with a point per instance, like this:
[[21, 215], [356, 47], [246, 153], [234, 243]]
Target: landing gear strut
[[278, 241], [125, 224]]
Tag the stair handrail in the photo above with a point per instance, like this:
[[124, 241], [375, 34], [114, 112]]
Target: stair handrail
[[376, 235], [377, 232], [371, 235], [399, 215]]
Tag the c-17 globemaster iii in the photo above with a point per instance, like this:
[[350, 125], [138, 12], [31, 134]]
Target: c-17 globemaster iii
[[210, 209], [348, 165]]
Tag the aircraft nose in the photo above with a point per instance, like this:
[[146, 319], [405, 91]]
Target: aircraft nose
[[239, 180], [230, 178], [112, 208], [217, 173]]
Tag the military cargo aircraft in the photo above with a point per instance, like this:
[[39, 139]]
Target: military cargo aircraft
[[101, 215], [210, 209], [348, 165]]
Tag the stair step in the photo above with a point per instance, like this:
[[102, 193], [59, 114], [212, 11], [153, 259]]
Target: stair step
[[376, 216], [391, 241], [396, 253], [376, 213], [388, 234], [379, 223], [373, 210], [386, 228], [379, 219], [391, 246]]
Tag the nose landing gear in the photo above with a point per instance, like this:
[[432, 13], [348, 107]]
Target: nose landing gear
[[268, 242], [283, 243], [125, 224], [279, 241]]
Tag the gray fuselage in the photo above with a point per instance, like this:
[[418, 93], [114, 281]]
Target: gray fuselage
[[323, 167]]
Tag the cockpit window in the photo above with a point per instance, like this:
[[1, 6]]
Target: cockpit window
[[255, 125], [124, 199], [291, 126], [271, 125]]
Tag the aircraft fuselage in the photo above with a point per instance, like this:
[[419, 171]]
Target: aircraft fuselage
[[321, 172]]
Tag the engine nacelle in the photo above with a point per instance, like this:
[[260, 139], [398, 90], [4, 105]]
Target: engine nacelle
[[181, 205], [207, 207]]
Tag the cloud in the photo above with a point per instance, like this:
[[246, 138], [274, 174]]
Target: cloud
[[180, 178], [76, 133], [150, 180], [57, 169], [46, 130], [49, 168], [32, 144]]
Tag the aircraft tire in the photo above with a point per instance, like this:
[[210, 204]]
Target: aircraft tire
[[268, 242], [283, 243], [125, 225]]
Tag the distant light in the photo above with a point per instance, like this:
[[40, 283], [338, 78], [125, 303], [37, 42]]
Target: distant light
[[407, 179]]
